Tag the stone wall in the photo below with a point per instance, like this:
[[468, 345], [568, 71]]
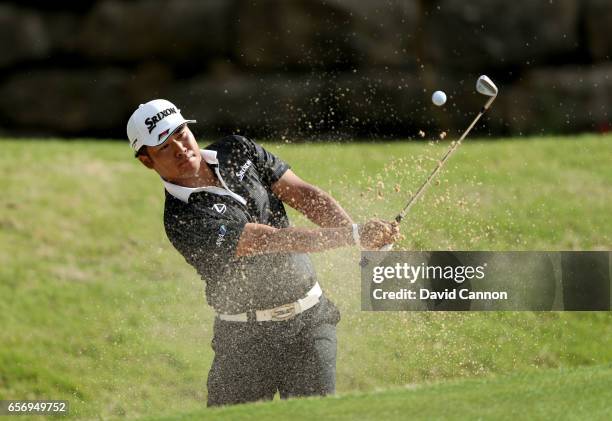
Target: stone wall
[[305, 68]]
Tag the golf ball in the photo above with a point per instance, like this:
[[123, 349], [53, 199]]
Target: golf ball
[[438, 98]]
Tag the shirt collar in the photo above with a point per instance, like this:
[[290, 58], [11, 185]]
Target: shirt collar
[[183, 193], [209, 156]]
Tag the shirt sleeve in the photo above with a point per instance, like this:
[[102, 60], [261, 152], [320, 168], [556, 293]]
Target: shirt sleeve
[[270, 167], [204, 242]]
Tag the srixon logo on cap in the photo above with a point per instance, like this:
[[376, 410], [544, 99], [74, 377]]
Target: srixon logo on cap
[[152, 121]]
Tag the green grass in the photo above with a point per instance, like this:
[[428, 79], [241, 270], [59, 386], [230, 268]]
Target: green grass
[[96, 307], [582, 393]]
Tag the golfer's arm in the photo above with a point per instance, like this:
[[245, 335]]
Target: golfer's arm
[[318, 206], [263, 239]]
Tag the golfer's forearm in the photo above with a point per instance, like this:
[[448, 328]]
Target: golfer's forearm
[[319, 207], [311, 201], [263, 239]]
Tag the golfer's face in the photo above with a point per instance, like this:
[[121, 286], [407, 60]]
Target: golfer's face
[[178, 157]]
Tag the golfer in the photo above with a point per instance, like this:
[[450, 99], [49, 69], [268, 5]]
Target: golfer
[[274, 329]]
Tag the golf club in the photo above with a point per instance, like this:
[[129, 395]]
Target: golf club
[[484, 86]]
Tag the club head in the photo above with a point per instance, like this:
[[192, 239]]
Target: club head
[[485, 86]]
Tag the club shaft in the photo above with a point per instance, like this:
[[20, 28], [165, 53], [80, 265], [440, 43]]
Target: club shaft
[[441, 163]]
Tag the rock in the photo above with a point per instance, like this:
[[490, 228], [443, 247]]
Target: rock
[[268, 105], [489, 34], [22, 35], [383, 34], [341, 34], [307, 68], [380, 103], [148, 80], [62, 28], [560, 100], [71, 6], [280, 34], [67, 102], [598, 20], [183, 31]]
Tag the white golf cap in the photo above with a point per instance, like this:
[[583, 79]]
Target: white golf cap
[[152, 123]]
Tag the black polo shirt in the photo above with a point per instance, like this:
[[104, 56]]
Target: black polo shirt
[[205, 224]]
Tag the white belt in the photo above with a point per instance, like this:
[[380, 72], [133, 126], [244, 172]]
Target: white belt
[[280, 313]]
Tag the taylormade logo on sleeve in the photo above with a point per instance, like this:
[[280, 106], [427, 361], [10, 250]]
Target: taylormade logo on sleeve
[[152, 121]]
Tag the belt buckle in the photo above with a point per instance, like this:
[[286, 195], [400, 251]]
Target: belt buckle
[[284, 312]]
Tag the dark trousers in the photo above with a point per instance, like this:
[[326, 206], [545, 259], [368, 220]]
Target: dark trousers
[[254, 360]]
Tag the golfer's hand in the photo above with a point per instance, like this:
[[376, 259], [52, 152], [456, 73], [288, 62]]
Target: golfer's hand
[[377, 233]]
